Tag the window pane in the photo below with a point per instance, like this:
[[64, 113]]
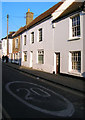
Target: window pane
[[32, 37], [41, 56], [16, 43], [76, 26], [40, 59], [40, 35], [25, 40], [25, 56], [76, 61]]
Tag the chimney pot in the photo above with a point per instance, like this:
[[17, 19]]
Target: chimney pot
[[28, 10]]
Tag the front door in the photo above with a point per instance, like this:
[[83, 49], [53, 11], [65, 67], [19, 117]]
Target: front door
[[57, 63], [31, 58]]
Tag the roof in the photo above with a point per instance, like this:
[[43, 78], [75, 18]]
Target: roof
[[39, 18], [19, 31], [9, 35], [75, 6]]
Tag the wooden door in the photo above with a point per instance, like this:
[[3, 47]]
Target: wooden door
[[57, 63], [31, 58]]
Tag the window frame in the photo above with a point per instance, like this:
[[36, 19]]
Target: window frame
[[16, 42], [25, 56], [32, 37], [71, 37], [75, 61], [75, 25], [40, 56], [40, 34]]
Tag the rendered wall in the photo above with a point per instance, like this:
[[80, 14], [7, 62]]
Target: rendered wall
[[64, 45], [4, 47], [46, 45], [83, 44]]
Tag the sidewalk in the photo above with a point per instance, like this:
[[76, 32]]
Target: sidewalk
[[64, 80]]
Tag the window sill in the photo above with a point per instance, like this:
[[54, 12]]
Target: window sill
[[74, 38], [24, 61], [40, 40], [75, 73]]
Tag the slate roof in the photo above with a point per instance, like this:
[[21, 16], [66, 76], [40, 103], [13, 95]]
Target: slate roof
[[75, 6], [39, 18], [9, 35]]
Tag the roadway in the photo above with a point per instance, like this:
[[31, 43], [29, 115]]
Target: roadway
[[25, 96]]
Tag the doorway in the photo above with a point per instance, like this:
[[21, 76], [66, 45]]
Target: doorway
[[57, 63], [31, 59]]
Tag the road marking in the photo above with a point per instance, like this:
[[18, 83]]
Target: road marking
[[46, 93], [67, 112]]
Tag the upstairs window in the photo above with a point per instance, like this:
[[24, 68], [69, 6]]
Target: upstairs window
[[76, 26], [16, 43], [32, 37], [0, 46], [40, 34], [24, 39]]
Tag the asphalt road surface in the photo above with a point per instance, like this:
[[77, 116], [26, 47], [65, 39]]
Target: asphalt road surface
[[26, 97]]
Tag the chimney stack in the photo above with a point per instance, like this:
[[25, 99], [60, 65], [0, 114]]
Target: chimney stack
[[29, 17]]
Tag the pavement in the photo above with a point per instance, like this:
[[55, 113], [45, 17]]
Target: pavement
[[72, 82]]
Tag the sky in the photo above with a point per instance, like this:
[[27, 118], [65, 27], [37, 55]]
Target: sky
[[17, 14]]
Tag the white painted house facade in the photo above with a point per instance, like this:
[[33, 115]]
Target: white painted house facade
[[4, 47], [54, 41], [7, 46], [39, 52], [10, 49], [69, 38]]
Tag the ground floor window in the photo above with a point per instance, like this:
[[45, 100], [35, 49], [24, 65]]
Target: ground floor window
[[41, 56], [76, 61], [10, 56], [25, 56], [13, 56]]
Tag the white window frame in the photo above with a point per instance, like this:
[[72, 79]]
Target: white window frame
[[71, 37], [24, 55], [40, 34], [32, 38], [40, 53], [25, 39], [75, 61]]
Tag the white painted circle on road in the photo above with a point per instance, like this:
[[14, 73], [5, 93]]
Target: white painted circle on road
[[37, 93]]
